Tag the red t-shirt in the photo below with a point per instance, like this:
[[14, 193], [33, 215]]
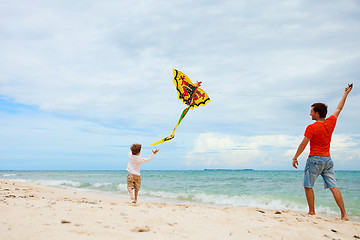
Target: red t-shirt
[[320, 134]]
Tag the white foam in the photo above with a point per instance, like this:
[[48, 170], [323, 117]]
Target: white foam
[[58, 183], [8, 174], [99, 185], [122, 187], [263, 202]]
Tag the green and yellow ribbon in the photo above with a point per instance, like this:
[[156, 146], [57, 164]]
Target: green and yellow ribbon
[[172, 135]]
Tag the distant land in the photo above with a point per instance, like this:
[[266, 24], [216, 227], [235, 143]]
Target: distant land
[[220, 169]]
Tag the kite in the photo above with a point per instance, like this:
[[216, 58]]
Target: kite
[[190, 94]]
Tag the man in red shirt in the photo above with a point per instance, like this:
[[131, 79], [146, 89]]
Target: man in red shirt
[[319, 161]]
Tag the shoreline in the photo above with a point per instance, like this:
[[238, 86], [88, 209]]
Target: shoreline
[[31, 211]]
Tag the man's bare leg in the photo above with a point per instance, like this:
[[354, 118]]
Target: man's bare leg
[[310, 197], [340, 202]]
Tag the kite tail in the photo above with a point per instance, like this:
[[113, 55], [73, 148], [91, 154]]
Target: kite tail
[[172, 135]]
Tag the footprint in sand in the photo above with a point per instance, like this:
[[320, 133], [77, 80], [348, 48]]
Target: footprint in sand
[[141, 229]]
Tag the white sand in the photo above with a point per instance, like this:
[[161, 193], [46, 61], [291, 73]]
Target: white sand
[[39, 212]]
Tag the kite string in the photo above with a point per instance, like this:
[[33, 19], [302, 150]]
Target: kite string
[[280, 96]]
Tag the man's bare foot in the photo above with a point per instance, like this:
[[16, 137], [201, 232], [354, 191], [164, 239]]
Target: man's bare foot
[[311, 213], [345, 218]]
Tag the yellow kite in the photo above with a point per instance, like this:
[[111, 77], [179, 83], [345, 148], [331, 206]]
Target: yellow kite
[[190, 94]]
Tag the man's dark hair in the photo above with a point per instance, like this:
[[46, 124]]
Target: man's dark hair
[[320, 108]]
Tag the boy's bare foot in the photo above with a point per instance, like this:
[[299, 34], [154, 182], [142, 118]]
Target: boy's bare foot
[[345, 218]]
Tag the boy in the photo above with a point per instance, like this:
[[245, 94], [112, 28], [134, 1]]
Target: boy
[[319, 161], [133, 167]]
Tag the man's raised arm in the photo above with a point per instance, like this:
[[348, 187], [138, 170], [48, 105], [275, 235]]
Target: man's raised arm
[[342, 101]]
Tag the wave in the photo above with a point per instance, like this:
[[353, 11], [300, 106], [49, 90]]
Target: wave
[[58, 183], [8, 174], [246, 201], [87, 186]]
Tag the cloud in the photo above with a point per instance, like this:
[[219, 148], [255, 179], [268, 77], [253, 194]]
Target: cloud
[[345, 150], [263, 151], [89, 66], [223, 150]]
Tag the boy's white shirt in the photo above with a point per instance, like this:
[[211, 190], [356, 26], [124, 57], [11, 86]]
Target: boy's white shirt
[[135, 162]]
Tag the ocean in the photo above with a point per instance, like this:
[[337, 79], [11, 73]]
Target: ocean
[[277, 190]]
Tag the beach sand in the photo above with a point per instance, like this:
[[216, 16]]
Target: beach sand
[[38, 212]]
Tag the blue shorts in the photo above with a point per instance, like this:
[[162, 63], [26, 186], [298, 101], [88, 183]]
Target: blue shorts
[[316, 166]]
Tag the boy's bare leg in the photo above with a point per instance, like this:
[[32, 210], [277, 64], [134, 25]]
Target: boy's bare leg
[[340, 202], [131, 193], [310, 197], [136, 195]]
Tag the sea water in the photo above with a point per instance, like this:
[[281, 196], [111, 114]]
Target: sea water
[[277, 190]]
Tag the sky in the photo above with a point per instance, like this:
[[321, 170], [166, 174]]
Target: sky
[[80, 81]]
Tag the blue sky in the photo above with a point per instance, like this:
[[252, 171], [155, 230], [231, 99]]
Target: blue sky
[[81, 81]]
